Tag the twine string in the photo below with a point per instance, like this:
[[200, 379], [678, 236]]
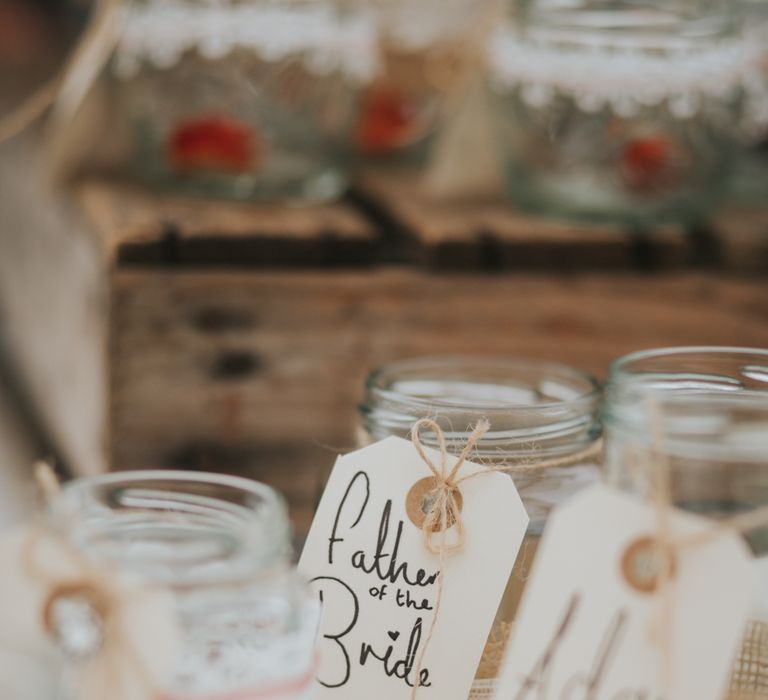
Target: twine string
[[668, 546], [90, 581], [444, 505]]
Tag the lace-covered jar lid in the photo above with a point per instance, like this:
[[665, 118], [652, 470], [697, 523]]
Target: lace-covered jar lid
[[161, 32], [624, 58]]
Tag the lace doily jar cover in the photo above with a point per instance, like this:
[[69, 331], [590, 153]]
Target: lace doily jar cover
[[220, 546], [537, 410], [625, 110], [712, 416], [249, 99]]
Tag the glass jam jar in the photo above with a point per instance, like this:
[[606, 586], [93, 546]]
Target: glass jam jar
[[422, 49], [221, 546], [243, 99], [712, 426], [627, 111], [537, 410]]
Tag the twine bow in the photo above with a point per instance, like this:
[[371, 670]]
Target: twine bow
[[443, 507], [443, 511]]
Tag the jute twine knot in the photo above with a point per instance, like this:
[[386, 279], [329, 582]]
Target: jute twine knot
[[443, 504], [444, 507]]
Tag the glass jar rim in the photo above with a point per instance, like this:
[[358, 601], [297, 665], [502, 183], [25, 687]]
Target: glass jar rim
[[262, 530], [712, 413], [532, 405], [373, 385], [621, 364]]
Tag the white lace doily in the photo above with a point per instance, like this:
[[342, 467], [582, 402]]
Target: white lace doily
[[160, 33], [628, 79]]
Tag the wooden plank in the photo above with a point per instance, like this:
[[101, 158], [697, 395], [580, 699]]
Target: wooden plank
[[742, 236], [396, 221], [262, 372], [493, 235], [145, 228]]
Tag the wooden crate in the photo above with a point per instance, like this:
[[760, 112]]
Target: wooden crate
[[241, 335]]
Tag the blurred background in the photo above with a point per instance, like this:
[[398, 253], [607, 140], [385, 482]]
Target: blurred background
[[218, 216]]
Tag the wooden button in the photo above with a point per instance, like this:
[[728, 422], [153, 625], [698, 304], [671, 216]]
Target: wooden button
[[420, 499], [644, 562]]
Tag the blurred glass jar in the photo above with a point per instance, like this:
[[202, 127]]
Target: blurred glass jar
[[537, 411], [221, 546], [627, 111], [245, 99], [712, 415], [422, 48]]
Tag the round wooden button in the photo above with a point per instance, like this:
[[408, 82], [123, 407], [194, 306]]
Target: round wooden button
[[643, 563], [421, 498]]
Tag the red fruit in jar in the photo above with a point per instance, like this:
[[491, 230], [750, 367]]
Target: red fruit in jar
[[213, 142], [649, 162], [387, 121]]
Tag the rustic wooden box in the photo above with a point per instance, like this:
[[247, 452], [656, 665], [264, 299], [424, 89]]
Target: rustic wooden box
[[241, 335]]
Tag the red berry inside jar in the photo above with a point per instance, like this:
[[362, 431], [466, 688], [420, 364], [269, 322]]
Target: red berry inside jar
[[652, 163], [217, 143], [388, 121]]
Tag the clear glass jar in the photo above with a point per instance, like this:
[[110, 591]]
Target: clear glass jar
[[246, 99], [422, 48], [537, 410], [625, 110], [221, 546], [712, 425]]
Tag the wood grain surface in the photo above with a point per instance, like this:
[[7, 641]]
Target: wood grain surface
[[262, 372], [387, 218], [241, 334]]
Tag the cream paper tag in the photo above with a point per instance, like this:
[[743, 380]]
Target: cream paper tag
[[378, 583], [590, 627]]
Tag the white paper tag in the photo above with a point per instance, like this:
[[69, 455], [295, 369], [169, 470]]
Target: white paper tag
[[585, 633], [378, 583]]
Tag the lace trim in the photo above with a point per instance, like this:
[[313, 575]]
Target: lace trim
[[626, 81], [160, 34]]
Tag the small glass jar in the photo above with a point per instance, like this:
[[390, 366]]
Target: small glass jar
[[711, 425], [243, 99], [422, 49], [221, 546], [625, 111], [537, 410]]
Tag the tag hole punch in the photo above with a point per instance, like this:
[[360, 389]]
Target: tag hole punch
[[420, 499], [644, 562]]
